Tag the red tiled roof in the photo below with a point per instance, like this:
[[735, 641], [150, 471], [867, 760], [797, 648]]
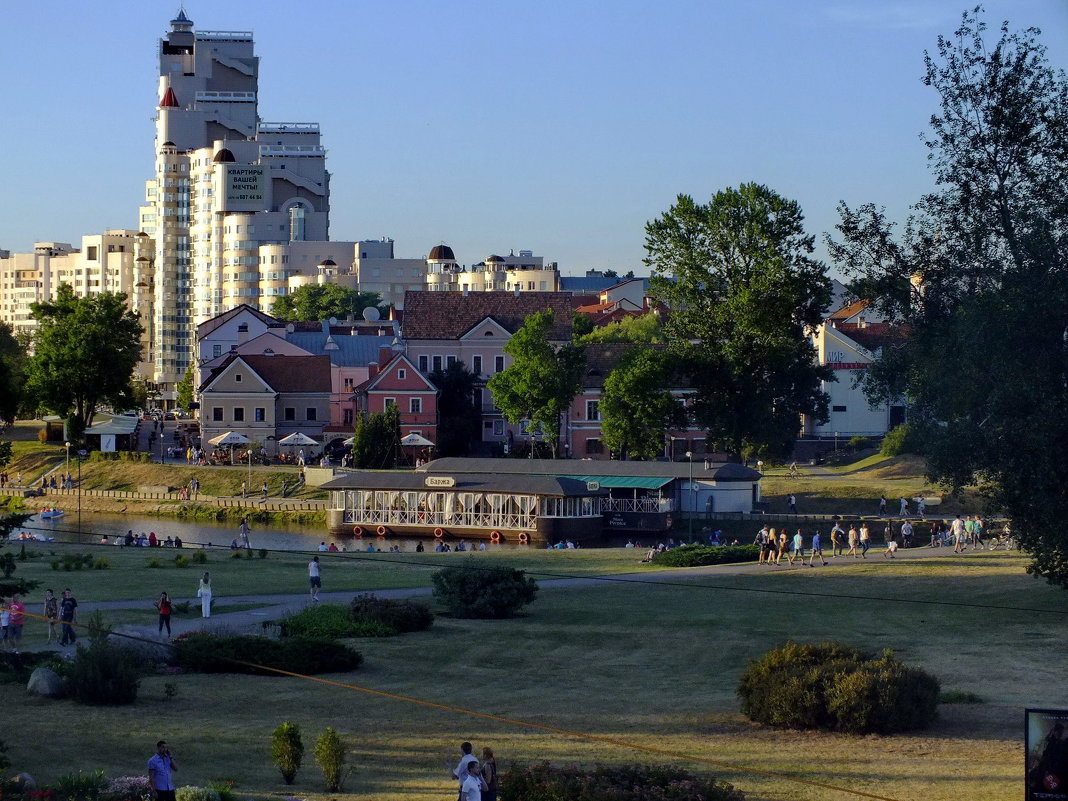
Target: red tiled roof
[[284, 373], [872, 336], [850, 310], [450, 315]]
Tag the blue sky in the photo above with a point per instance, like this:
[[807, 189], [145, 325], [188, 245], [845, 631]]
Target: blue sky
[[560, 127]]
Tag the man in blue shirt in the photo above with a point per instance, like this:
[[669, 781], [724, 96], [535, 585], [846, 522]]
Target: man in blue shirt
[[160, 768]]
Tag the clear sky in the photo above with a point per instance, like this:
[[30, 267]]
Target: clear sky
[[560, 126]]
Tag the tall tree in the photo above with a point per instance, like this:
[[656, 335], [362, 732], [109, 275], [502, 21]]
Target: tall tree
[[85, 352], [185, 390], [745, 292], [542, 380], [13, 359], [642, 328], [323, 301], [978, 278], [376, 441], [637, 409], [459, 419]]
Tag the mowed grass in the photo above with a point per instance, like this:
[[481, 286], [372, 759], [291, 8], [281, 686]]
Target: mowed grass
[[653, 664], [282, 572]]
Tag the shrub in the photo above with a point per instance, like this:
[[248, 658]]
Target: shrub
[[153, 563], [236, 555], [103, 675], [481, 590], [224, 788], [399, 616], [898, 440], [181, 560], [330, 756], [835, 687], [207, 653], [126, 788], [287, 750], [328, 621], [42, 435], [81, 786], [190, 793], [858, 443], [262, 553], [959, 697], [547, 782], [200, 557], [100, 563], [697, 555]]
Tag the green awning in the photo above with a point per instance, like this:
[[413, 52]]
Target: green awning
[[628, 482]]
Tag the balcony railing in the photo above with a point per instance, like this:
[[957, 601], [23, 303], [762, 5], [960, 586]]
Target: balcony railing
[[637, 505]]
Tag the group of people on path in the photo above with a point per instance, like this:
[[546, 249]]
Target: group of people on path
[[62, 610], [478, 780]]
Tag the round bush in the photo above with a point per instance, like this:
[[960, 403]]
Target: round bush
[[399, 616], [838, 688], [103, 675], [479, 590]]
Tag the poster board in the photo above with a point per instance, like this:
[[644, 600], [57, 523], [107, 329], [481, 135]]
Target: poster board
[[1046, 754]]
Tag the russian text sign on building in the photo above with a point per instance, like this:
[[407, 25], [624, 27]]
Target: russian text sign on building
[[440, 481], [1046, 754], [244, 187]]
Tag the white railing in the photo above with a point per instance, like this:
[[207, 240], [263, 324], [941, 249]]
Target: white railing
[[399, 517], [637, 505], [288, 127], [226, 97], [292, 150], [226, 36]]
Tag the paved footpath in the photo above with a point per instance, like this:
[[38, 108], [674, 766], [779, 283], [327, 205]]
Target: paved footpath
[[276, 606]]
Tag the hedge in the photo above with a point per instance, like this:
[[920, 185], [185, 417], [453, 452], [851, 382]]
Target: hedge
[[698, 555], [545, 782], [206, 653]]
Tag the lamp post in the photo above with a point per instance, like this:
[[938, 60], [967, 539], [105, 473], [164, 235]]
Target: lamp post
[[81, 455], [66, 469], [693, 498]]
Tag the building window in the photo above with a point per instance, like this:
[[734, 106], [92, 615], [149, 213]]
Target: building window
[[450, 361], [498, 364], [476, 365], [290, 413], [260, 414], [415, 405], [311, 413], [216, 351], [402, 373], [239, 414], [498, 428], [437, 364], [838, 408], [216, 414], [349, 383], [594, 447], [593, 411], [237, 377], [389, 402], [424, 363], [347, 417]]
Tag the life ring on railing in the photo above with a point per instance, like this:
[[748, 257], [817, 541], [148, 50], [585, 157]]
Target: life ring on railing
[[523, 538], [439, 533], [495, 536], [357, 531], [381, 531]]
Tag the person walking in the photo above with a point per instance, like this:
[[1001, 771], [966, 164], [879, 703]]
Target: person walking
[[865, 540], [315, 578], [761, 541], [837, 533], [460, 772], [161, 768], [882, 505], [17, 621], [853, 539], [68, 616], [204, 594], [266, 490], [164, 607], [817, 550], [51, 613], [489, 775], [793, 504], [903, 507], [978, 526], [244, 531], [798, 549]]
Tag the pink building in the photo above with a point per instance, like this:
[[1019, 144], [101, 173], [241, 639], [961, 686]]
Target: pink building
[[399, 383]]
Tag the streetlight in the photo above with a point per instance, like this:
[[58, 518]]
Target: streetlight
[[81, 455], [693, 497], [66, 471]]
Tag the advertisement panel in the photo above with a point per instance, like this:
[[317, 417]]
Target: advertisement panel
[[244, 187], [1046, 754]]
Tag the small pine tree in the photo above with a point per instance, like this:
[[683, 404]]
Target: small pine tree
[[330, 755], [287, 750]]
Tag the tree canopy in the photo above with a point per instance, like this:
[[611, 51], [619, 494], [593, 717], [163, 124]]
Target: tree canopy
[[376, 441], [978, 278], [459, 418], [85, 352], [542, 380], [642, 328], [637, 409], [744, 291], [323, 301], [13, 360]]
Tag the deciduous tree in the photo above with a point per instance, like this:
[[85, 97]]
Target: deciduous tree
[[542, 380], [744, 291], [637, 409], [323, 301], [978, 278], [376, 441], [13, 359], [459, 418], [85, 352]]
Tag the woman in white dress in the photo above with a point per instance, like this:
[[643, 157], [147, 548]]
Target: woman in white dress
[[204, 593]]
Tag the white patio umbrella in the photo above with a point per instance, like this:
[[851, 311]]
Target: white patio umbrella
[[230, 438], [348, 443], [300, 439], [417, 441]]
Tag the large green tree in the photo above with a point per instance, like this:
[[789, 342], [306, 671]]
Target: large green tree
[[641, 328], [637, 408], [323, 301], [978, 279], [542, 380], [84, 353], [744, 290], [459, 418], [185, 390], [13, 360], [376, 441]]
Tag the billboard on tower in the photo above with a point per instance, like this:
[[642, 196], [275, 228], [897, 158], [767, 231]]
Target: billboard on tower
[[244, 187]]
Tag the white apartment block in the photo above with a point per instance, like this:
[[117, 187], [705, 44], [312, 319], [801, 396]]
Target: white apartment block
[[522, 272]]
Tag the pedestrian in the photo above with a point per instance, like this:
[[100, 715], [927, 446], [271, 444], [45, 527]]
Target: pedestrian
[[460, 772], [51, 613], [853, 539], [837, 533], [761, 541], [265, 491], [164, 607], [903, 507], [882, 505], [5, 623], [160, 769], [18, 619], [204, 594], [244, 530], [906, 535], [793, 504], [489, 775], [891, 547], [315, 578], [784, 544], [68, 616], [817, 550], [244, 489], [957, 532], [798, 548], [474, 785], [977, 532], [865, 540]]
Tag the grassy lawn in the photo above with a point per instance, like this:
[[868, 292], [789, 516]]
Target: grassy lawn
[[651, 664], [129, 576], [30, 457], [220, 481]]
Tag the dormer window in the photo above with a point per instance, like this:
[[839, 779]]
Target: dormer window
[[237, 377]]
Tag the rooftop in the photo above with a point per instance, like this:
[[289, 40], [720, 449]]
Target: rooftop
[[450, 315], [573, 468]]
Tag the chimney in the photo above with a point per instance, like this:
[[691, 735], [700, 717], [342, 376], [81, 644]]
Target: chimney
[[384, 355], [372, 369], [242, 334]]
